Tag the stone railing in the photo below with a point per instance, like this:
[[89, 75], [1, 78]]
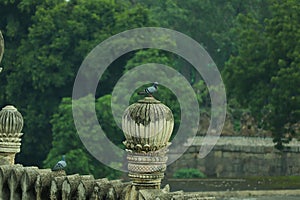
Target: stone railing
[[28, 183], [18, 182]]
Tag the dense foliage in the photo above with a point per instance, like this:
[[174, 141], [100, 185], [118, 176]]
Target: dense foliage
[[264, 73], [256, 45], [188, 173], [49, 51], [67, 142]]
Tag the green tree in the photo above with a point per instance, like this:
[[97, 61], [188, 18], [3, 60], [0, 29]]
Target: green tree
[[284, 51], [41, 67], [264, 74], [67, 142], [207, 21], [14, 22]]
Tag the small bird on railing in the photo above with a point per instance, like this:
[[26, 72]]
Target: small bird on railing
[[150, 90], [60, 165]]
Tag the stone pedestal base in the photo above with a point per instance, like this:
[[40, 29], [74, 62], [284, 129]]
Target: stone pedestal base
[[8, 152], [7, 158], [146, 170]]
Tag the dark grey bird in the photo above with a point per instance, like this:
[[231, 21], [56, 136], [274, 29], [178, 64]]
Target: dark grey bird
[[149, 90], [60, 165]]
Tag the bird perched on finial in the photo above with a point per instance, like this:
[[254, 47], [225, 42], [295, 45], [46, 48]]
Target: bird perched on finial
[[60, 165], [150, 90]]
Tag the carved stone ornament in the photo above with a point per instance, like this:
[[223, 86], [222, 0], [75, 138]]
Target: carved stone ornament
[[11, 124], [147, 125]]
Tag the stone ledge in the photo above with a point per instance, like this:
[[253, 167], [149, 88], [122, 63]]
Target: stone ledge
[[245, 144], [250, 193]]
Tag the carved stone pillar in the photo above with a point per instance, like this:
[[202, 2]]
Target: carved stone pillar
[[11, 124], [147, 125]]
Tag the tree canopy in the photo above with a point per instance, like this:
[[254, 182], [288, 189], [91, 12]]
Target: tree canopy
[[42, 64], [263, 72], [255, 44]]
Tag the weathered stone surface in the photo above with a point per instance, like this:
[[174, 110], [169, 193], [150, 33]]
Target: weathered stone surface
[[242, 156], [247, 194], [27, 182], [18, 182], [147, 126], [5, 172], [11, 121], [43, 183], [14, 183], [85, 189], [70, 185]]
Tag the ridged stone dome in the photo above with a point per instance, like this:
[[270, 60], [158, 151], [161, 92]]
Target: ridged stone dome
[[11, 120], [147, 125]]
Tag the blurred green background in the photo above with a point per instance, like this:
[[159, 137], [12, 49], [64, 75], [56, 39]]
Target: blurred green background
[[255, 44]]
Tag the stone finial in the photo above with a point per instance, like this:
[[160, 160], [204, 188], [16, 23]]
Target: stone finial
[[147, 125], [11, 124]]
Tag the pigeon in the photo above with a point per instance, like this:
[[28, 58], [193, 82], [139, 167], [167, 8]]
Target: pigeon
[[150, 90], [60, 165]]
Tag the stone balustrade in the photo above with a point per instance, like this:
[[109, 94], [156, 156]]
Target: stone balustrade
[[18, 182], [28, 183]]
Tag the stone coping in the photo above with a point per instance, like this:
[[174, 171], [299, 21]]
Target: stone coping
[[250, 193], [246, 144], [242, 141]]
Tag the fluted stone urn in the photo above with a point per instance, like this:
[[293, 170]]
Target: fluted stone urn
[[147, 125], [11, 124]]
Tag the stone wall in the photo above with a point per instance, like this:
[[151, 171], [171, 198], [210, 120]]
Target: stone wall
[[241, 157]]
